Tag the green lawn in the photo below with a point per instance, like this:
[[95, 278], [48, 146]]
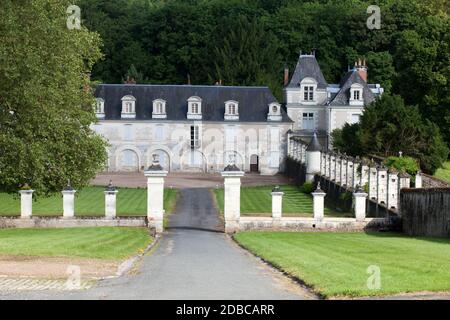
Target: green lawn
[[257, 201], [100, 243], [444, 173], [335, 264], [89, 202]]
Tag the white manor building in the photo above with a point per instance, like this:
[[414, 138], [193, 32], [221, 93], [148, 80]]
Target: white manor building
[[198, 128]]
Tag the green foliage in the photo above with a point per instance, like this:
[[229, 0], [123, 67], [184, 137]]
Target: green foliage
[[46, 108], [389, 126], [89, 202], [257, 201], [335, 263], [307, 187], [444, 172], [95, 243], [403, 164]]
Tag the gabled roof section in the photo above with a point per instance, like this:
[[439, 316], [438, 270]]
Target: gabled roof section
[[307, 67], [253, 101], [342, 98]]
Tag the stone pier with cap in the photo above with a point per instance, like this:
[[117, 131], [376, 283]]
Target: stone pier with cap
[[155, 195], [68, 201], [232, 198]]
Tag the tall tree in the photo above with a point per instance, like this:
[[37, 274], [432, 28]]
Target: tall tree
[[389, 126], [46, 105]]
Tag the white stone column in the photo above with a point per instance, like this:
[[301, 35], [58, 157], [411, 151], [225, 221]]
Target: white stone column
[[319, 203], [418, 182], [26, 203], [68, 202], [392, 198], [232, 197], [313, 155], [110, 201], [382, 185], [155, 195], [359, 198], [277, 203], [373, 182]]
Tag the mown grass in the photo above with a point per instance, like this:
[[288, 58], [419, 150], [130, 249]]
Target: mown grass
[[336, 264], [89, 202], [444, 173], [257, 201], [101, 243]]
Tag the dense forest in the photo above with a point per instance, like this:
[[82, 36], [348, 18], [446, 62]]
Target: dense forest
[[250, 42]]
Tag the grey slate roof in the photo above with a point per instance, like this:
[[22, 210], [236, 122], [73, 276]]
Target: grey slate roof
[[342, 98], [314, 145], [307, 67], [253, 101]]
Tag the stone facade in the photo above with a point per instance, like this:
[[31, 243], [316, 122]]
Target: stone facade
[[257, 143]]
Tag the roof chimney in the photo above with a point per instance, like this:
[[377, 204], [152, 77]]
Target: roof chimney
[[189, 79], [361, 68], [130, 80], [286, 77]]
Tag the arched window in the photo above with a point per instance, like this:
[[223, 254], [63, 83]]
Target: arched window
[[159, 109], [194, 108], [274, 112], [231, 110], [128, 107]]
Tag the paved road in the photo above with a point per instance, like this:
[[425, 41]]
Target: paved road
[[192, 261]]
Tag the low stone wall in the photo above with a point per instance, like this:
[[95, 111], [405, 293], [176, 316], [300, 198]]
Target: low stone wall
[[433, 182], [310, 224], [426, 212], [59, 222]]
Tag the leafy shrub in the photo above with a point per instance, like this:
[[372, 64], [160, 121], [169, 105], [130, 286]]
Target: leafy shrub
[[307, 187], [403, 164]]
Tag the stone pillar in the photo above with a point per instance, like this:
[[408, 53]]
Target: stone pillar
[[289, 143], [344, 179], [359, 199], [26, 203], [68, 202], [333, 167], [392, 199], [364, 174], [373, 182], [404, 180], [323, 164], [418, 182], [232, 198], [319, 203], [313, 155], [382, 185], [155, 195], [277, 203], [338, 169], [110, 201]]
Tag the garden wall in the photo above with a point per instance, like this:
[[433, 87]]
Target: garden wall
[[426, 212], [59, 222]]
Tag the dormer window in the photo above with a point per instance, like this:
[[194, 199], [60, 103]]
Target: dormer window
[[308, 88], [274, 112], [128, 107], [159, 109], [231, 110], [194, 108], [100, 108], [356, 95]]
